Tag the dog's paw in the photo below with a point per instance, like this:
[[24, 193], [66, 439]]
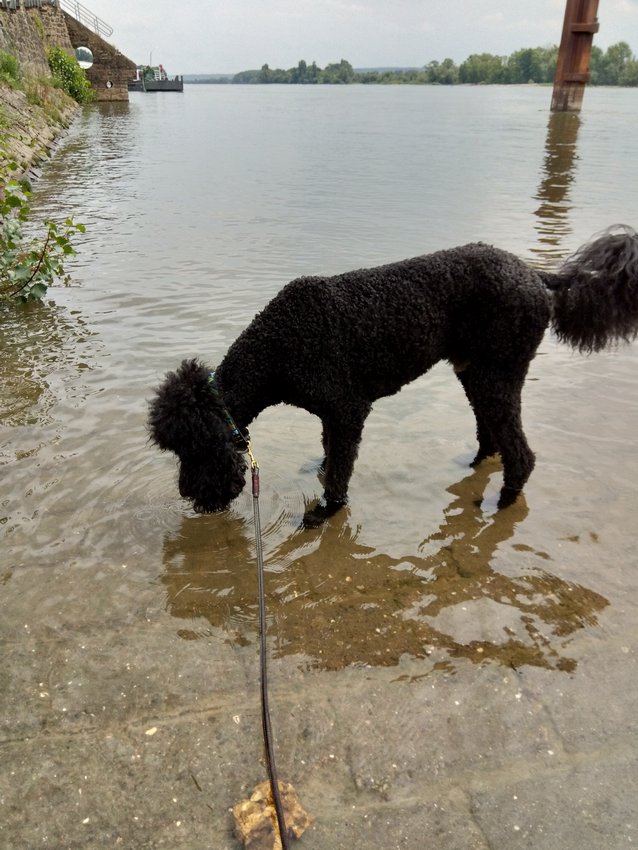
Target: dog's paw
[[508, 497], [314, 517], [481, 456]]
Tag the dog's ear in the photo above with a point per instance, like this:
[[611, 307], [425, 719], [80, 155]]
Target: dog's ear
[[182, 416]]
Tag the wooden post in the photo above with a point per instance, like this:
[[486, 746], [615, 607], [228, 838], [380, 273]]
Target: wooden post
[[572, 68]]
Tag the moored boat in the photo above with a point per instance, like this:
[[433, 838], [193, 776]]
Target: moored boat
[[154, 78]]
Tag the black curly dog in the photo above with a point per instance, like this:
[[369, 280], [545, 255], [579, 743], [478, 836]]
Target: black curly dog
[[332, 345]]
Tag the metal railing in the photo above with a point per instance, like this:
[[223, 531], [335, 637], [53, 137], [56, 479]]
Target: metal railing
[[85, 16]]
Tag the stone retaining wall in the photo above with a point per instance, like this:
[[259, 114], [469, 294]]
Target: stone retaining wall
[[111, 70], [31, 129], [31, 121], [29, 33]]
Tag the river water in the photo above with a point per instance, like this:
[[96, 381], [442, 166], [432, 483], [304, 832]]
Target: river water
[[198, 208]]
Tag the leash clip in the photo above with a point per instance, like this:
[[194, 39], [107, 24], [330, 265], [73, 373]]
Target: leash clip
[[254, 470]]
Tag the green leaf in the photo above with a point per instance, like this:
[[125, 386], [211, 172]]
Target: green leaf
[[38, 290], [22, 273]]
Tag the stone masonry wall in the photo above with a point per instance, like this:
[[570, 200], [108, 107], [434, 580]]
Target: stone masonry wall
[[111, 69], [31, 130], [35, 115], [31, 124], [28, 34]]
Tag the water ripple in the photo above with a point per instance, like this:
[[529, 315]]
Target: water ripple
[[197, 210]]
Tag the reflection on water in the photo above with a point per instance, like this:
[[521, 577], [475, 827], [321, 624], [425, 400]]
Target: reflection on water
[[552, 224], [338, 602], [36, 341], [100, 141], [191, 228]]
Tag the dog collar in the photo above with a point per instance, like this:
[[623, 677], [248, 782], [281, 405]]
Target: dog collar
[[241, 441]]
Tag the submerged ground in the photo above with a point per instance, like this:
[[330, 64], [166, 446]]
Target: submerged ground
[[442, 674]]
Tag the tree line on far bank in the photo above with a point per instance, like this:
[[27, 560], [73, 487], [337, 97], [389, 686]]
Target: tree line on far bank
[[616, 66]]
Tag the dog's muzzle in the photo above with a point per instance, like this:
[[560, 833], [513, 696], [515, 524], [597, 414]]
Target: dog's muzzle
[[199, 508]]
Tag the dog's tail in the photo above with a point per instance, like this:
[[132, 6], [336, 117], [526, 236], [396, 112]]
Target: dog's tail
[[596, 292]]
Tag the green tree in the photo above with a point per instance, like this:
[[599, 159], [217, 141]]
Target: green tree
[[265, 75], [28, 265], [616, 66], [368, 77], [483, 68], [629, 75], [300, 73], [69, 76], [532, 65], [247, 77], [596, 60], [547, 62], [313, 73], [522, 67], [280, 75], [445, 73], [614, 62], [341, 72]]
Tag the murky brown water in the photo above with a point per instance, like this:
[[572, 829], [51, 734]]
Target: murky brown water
[[198, 208]]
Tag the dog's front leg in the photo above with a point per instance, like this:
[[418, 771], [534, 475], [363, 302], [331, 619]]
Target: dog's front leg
[[341, 438]]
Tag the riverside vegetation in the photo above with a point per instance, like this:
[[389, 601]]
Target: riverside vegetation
[[616, 66], [33, 111]]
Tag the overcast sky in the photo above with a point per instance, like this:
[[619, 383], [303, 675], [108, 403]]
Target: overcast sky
[[226, 36]]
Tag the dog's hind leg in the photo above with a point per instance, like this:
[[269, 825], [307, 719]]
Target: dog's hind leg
[[341, 437], [487, 446], [495, 397]]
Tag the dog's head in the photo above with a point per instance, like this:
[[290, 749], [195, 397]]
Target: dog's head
[[186, 417]]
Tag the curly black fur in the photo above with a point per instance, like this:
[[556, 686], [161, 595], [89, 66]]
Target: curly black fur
[[186, 417], [596, 292], [334, 345]]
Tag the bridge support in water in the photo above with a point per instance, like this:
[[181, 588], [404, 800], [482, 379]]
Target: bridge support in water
[[572, 69]]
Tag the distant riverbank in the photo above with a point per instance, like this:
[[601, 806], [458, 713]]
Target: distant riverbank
[[617, 66]]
